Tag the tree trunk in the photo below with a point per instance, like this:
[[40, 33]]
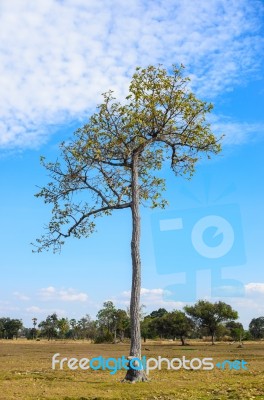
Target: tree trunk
[[122, 336], [135, 344], [212, 335], [182, 340]]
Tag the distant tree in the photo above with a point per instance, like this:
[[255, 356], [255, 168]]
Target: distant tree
[[256, 328], [27, 332], [106, 317], [91, 330], [34, 330], [49, 327], [114, 158], [122, 323], [86, 328], [83, 325], [63, 327], [177, 324], [74, 331], [247, 335], [210, 315], [2, 328], [9, 328], [236, 330], [158, 327], [147, 331], [221, 332]]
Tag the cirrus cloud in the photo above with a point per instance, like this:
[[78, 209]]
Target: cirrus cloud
[[58, 56]]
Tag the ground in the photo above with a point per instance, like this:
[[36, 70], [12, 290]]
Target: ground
[[26, 373]]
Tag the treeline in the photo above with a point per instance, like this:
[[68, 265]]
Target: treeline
[[217, 320]]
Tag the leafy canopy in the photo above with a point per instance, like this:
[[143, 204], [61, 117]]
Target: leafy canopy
[[161, 120], [210, 315], [256, 327]]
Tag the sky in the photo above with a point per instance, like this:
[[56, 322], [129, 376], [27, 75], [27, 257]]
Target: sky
[[56, 59]]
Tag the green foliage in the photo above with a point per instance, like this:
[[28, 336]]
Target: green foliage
[[86, 328], [222, 332], [177, 324], [9, 328], [112, 321], [167, 325], [247, 335], [256, 328], [49, 327], [161, 120], [236, 330], [210, 315], [105, 337], [106, 316], [63, 327], [158, 313], [146, 327]]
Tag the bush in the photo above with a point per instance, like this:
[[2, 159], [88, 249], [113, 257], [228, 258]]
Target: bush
[[104, 338]]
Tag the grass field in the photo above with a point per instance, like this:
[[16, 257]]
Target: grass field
[[26, 373]]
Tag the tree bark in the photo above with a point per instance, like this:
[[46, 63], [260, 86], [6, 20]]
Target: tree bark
[[135, 344]]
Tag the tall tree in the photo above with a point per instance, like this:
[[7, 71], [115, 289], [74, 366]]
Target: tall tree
[[115, 156], [34, 331], [210, 315]]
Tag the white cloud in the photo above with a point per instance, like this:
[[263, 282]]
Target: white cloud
[[48, 291], [7, 308], [58, 56], [151, 298], [51, 293], [235, 132], [21, 296], [250, 305], [38, 310], [146, 292], [254, 288]]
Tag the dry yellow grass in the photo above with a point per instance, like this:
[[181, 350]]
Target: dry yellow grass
[[26, 373]]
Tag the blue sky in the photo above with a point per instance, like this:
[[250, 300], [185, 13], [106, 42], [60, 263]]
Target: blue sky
[[56, 58]]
